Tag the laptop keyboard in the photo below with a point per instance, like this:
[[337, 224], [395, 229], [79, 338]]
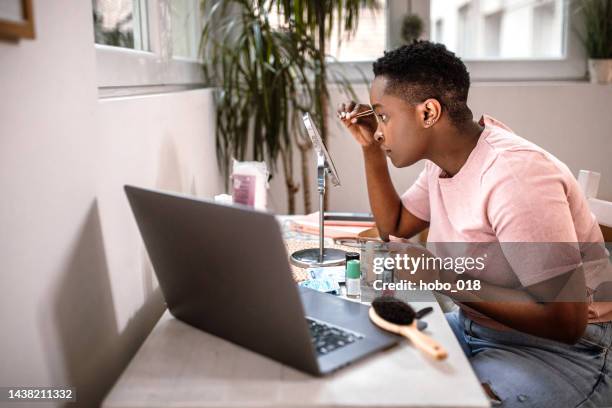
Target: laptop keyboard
[[327, 338]]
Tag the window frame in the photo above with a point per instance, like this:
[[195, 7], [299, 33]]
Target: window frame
[[123, 67]]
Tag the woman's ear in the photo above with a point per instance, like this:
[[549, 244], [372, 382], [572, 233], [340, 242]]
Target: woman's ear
[[430, 112]]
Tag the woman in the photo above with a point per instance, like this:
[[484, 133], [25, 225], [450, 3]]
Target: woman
[[484, 184]]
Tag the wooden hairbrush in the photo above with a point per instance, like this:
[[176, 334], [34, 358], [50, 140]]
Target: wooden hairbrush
[[398, 317]]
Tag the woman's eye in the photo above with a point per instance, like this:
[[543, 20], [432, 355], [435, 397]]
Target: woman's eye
[[383, 117]]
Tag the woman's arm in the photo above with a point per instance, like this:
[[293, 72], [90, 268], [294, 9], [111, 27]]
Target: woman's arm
[[560, 321], [554, 309]]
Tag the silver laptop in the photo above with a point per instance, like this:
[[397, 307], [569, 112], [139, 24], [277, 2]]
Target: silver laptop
[[224, 269]]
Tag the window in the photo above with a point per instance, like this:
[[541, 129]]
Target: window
[[369, 40], [492, 32], [499, 40], [121, 23], [146, 43], [503, 29], [439, 31], [465, 43], [547, 30], [186, 28], [509, 39], [355, 53]]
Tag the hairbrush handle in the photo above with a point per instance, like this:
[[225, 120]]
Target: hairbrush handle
[[423, 342]]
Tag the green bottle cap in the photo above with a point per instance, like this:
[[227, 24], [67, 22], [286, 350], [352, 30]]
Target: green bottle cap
[[353, 269]]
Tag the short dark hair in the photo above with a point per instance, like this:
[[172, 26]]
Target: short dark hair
[[424, 70]]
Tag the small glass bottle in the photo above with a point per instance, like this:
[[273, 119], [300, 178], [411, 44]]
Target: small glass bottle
[[353, 279], [348, 257]]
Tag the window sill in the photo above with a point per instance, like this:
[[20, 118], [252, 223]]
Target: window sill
[[113, 92]]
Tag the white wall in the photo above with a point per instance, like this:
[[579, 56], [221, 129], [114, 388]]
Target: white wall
[[78, 293], [571, 120]]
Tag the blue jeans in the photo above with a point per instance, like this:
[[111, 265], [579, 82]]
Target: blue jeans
[[529, 371]]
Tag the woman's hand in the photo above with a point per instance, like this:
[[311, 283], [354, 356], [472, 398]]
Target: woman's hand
[[362, 128], [426, 273]]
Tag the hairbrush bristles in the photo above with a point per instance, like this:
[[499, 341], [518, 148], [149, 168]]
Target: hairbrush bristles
[[393, 310]]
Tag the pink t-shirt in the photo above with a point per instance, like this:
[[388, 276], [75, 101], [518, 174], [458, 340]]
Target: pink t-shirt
[[511, 191]]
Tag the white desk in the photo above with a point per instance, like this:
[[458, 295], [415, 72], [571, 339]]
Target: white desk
[[179, 366]]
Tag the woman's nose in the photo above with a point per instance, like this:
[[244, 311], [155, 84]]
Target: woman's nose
[[379, 136]]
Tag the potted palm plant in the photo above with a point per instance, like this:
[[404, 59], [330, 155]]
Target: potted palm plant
[[262, 75], [597, 38], [315, 19], [267, 60]]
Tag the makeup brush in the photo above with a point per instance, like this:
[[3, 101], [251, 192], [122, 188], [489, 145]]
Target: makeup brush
[[398, 317]]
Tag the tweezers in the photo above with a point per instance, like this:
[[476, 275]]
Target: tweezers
[[360, 114]]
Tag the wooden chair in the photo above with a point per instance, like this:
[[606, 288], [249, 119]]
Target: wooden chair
[[589, 183]]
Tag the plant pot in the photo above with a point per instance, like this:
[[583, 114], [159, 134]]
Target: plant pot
[[600, 71]]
